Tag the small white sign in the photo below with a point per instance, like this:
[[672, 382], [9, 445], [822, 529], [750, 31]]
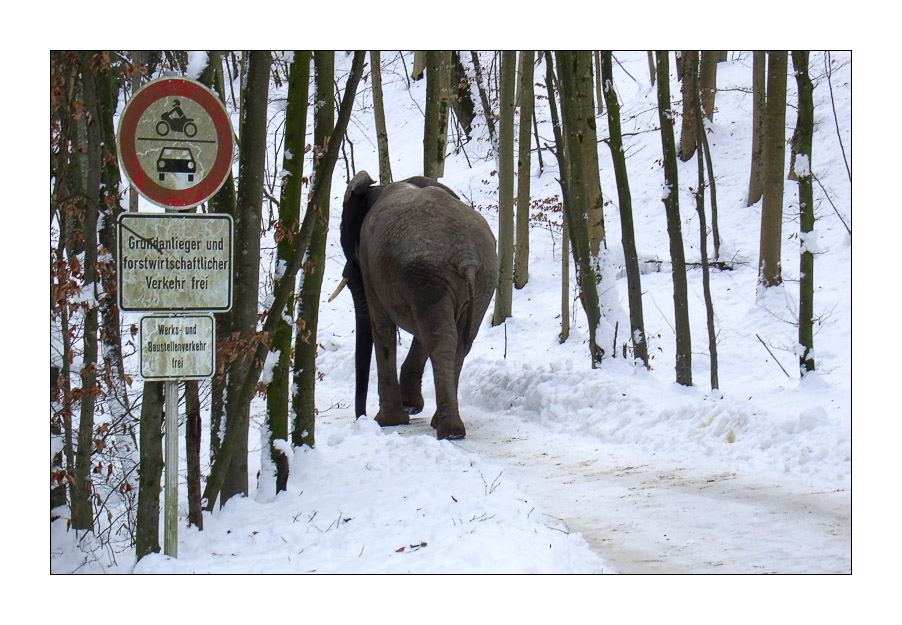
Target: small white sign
[[177, 347]]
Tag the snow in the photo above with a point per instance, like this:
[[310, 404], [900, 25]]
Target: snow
[[565, 468]]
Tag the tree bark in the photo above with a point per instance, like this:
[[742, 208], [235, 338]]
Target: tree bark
[[192, 453], [572, 88], [303, 397], [703, 236], [707, 79], [688, 76], [628, 237], [438, 103], [248, 215], [527, 101], [674, 229], [805, 130], [379, 114], [504, 294], [483, 96], [560, 155], [759, 80], [769, 270], [82, 517]]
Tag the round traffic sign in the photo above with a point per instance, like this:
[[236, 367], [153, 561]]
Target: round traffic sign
[[175, 142]]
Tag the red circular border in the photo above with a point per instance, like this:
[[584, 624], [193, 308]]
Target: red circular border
[[128, 125]]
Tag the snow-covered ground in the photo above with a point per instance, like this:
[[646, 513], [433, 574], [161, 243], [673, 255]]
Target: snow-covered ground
[[566, 469]]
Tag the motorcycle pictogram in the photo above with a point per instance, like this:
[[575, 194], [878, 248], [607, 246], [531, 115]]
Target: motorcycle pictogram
[[176, 121]]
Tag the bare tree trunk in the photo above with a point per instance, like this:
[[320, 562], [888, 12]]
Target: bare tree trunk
[[707, 79], [573, 104], [192, 452], [769, 271], [688, 76], [438, 103], [561, 156], [419, 65], [805, 128], [527, 100], [628, 237], [651, 67], [703, 237], [303, 399], [379, 114], [82, 516], [503, 295], [674, 229], [759, 79], [247, 262]]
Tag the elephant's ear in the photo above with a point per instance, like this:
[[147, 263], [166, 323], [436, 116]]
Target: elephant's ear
[[359, 183], [354, 209]]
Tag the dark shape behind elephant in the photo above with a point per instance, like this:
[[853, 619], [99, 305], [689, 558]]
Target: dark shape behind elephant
[[420, 259]]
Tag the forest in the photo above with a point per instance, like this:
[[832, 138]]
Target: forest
[[669, 324]]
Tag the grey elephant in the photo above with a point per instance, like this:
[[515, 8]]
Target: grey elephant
[[420, 259]]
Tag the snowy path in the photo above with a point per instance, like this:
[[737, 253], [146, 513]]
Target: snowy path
[[652, 515]]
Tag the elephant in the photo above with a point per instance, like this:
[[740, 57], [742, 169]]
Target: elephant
[[420, 259]]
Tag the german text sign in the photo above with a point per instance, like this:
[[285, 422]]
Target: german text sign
[[175, 262], [175, 142], [177, 347]]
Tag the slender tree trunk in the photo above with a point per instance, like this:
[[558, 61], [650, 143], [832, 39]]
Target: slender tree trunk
[[283, 288], [222, 202], [769, 270], [674, 229], [703, 237], [599, 95], [707, 79], [577, 208], [82, 517], [278, 393], [438, 103], [759, 80], [504, 294], [150, 471], [584, 120], [805, 128], [560, 155], [303, 397], [461, 100], [688, 76], [379, 114], [419, 65], [628, 237], [247, 261], [483, 97], [527, 101], [192, 452], [651, 67]]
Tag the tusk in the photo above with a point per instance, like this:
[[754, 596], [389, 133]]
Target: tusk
[[341, 285]]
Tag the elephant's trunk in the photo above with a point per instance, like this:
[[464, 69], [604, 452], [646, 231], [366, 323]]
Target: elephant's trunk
[[364, 350]]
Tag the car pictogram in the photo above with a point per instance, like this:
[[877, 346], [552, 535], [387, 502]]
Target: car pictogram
[[176, 161]]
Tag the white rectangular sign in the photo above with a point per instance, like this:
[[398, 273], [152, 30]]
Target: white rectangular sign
[[177, 347], [175, 262]]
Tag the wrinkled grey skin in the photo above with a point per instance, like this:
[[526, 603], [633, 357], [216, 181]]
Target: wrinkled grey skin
[[420, 259]]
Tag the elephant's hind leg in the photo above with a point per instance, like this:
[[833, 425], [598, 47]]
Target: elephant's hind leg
[[390, 409], [442, 353], [412, 378]]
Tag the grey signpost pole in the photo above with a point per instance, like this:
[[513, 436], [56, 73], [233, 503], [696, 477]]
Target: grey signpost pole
[[171, 461]]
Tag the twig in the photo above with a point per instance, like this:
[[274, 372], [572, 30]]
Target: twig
[[772, 355], [835, 117], [835, 210]]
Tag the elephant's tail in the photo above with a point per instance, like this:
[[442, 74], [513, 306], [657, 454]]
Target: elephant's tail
[[468, 273]]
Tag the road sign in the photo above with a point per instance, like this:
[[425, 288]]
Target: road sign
[[175, 262], [177, 347], [175, 141]]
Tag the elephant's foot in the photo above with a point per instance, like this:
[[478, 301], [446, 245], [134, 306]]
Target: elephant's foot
[[412, 402], [450, 428], [387, 418]]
